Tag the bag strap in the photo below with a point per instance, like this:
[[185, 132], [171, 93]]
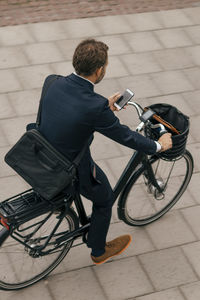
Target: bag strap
[[44, 91], [78, 158], [165, 123]]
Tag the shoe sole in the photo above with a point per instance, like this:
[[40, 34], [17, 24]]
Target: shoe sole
[[103, 261]]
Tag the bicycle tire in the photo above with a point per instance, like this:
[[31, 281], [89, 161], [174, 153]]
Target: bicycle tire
[[12, 275], [148, 208]]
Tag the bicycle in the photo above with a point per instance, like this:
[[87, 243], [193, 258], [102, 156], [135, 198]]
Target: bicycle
[[37, 234]]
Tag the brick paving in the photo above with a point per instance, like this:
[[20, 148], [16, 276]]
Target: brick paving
[[13, 12]]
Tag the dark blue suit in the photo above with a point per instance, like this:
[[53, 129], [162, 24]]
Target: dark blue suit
[[71, 113]]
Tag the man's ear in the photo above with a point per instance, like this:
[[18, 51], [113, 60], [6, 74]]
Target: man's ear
[[98, 71]]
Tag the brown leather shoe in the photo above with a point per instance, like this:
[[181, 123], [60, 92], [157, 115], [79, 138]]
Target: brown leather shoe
[[113, 248]]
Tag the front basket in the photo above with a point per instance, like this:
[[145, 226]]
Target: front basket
[[176, 118]]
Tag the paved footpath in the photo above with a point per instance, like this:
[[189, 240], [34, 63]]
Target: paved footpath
[[14, 12], [156, 54]]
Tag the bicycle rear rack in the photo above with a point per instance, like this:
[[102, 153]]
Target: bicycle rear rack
[[28, 205]]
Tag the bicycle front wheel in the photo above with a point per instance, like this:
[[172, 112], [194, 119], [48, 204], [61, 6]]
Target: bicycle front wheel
[[140, 202], [19, 266]]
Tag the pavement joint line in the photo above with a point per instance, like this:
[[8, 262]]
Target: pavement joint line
[[48, 287], [180, 211], [99, 283], [152, 293], [150, 238], [118, 78], [109, 35], [191, 196], [181, 292], [164, 48], [190, 37], [119, 56], [126, 258], [145, 271], [16, 76], [188, 261]]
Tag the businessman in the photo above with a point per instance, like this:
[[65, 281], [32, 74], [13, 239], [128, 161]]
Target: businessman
[[71, 113]]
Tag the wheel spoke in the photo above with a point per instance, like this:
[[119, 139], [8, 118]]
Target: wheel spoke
[[141, 203], [20, 266]]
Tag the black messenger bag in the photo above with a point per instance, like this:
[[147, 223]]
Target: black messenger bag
[[40, 164]]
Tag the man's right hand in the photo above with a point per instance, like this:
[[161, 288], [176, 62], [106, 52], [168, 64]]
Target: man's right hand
[[165, 141]]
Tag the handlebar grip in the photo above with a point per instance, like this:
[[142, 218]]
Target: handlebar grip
[[163, 131]]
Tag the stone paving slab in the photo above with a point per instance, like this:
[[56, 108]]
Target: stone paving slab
[[170, 82], [6, 108], [192, 253], [193, 75], [83, 281], [174, 18], [194, 53], [39, 291], [123, 279], [8, 76], [167, 268], [193, 13], [31, 77], [81, 28], [194, 33], [144, 21], [116, 68], [155, 54], [143, 41], [172, 38], [191, 291], [42, 53], [191, 214], [15, 35], [173, 59], [22, 103], [172, 231], [194, 187], [141, 63], [170, 294], [11, 57], [143, 86], [47, 31]]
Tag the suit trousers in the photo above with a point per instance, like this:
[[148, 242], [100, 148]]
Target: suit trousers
[[94, 185]]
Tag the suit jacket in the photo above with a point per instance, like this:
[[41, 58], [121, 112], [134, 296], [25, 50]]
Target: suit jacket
[[72, 112]]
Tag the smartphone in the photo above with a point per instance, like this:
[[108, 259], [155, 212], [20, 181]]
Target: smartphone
[[123, 100]]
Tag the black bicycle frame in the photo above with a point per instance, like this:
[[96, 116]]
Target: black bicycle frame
[[137, 159], [131, 166]]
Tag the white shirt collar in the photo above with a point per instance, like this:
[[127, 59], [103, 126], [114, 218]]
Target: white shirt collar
[[83, 78]]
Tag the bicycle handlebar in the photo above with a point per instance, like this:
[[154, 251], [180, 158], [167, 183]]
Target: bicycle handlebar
[[140, 127]]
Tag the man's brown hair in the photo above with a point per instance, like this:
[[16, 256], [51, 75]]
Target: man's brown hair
[[89, 55]]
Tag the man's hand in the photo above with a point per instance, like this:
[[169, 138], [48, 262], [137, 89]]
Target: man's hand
[[165, 141], [112, 99]]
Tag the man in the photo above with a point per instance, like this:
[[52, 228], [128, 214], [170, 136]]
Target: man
[[71, 113]]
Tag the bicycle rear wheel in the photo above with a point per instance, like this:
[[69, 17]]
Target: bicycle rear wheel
[[19, 268], [140, 202]]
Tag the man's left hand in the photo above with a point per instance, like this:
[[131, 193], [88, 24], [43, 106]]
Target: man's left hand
[[112, 99]]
